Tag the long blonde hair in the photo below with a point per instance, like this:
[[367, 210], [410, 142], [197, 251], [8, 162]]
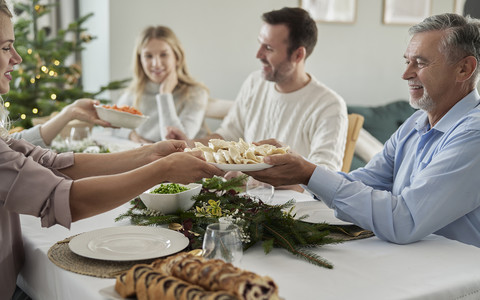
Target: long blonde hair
[[4, 122], [140, 79]]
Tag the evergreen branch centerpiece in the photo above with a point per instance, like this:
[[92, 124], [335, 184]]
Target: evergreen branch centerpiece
[[220, 199]]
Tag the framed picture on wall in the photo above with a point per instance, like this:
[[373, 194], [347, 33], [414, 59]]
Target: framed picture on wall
[[405, 11], [339, 11]]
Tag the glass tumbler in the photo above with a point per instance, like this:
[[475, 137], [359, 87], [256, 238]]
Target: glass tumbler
[[223, 241], [260, 190], [77, 136]]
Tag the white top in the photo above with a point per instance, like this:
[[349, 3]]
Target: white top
[[312, 121], [184, 111], [31, 135]]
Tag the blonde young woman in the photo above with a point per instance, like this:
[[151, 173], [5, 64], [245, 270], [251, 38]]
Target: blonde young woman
[[63, 188], [163, 89]]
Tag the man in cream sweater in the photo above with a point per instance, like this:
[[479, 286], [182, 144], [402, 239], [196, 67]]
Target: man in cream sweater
[[282, 101]]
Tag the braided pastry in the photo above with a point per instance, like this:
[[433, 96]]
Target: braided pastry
[[151, 285], [184, 276], [216, 275], [126, 282]]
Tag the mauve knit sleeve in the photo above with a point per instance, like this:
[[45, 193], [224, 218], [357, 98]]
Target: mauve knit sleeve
[[31, 183]]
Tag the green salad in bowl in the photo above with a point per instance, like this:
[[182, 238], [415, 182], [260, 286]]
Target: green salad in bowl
[[169, 198]]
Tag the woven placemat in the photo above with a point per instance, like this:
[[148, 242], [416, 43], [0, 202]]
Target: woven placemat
[[61, 255]]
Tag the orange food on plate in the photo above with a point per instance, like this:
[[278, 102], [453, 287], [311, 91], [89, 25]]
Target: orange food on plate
[[124, 108]]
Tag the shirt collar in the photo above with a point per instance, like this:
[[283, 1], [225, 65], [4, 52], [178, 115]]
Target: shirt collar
[[453, 115]]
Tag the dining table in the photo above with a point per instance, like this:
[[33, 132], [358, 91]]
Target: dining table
[[368, 268]]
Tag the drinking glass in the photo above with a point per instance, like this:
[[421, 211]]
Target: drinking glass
[[223, 241], [77, 135], [260, 190]]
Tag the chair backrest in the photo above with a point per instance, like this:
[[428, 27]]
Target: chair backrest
[[15, 129], [218, 108], [355, 123]]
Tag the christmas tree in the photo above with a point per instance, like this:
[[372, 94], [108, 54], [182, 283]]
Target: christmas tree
[[45, 81]]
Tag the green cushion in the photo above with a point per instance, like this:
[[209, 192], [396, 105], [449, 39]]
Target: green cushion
[[357, 162], [383, 121]]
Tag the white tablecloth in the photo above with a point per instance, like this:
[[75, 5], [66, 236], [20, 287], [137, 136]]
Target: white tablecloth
[[435, 268]]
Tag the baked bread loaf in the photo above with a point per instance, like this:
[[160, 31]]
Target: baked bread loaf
[[185, 276], [126, 282], [216, 275]]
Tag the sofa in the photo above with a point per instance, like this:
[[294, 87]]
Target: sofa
[[379, 124]]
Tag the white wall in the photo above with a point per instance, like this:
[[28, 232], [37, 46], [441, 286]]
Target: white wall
[[363, 61], [96, 62]]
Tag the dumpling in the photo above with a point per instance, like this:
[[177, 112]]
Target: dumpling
[[235, 154], [217, 144], [227, 156], [209, 156], [241, 152], [219, 158]]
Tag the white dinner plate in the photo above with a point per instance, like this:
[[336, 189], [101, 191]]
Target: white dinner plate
[[124, 243], [318, 212], [242, 167]]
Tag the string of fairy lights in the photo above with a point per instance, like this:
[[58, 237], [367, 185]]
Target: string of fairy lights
[[42, 68], [45, 70]]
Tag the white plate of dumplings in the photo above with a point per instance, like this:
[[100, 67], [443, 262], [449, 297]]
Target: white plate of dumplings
[[237, 156], [242, 167]]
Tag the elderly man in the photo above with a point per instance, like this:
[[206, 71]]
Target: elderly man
[[426, 179], [284, 102]]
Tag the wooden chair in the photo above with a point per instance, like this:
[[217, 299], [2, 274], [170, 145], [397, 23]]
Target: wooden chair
[[355, 123], [15, 129], [217, 109]]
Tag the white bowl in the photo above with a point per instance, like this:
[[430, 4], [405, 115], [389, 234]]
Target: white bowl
[[120, 118], [171, 203]]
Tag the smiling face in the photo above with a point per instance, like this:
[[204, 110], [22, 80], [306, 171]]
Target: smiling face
[[431, 78], [158, 60], [277, 65], [8, 55]]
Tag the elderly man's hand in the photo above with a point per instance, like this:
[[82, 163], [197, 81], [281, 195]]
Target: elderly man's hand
[[287, 169]]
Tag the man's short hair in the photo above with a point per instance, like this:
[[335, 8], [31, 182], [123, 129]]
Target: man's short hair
[[302, 28], [462, 36]]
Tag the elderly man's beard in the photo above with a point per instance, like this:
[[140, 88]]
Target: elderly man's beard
[[424, 103]]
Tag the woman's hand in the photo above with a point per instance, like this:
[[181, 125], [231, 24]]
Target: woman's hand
[[135, 137], [169, 83], [84, 110], [164, 148], [173, 133], [187, 167]]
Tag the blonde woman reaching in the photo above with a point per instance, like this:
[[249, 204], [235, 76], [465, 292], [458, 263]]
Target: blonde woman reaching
[[163, 89]]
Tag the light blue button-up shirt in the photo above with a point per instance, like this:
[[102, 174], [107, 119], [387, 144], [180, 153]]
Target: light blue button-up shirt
[[424, 181]]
